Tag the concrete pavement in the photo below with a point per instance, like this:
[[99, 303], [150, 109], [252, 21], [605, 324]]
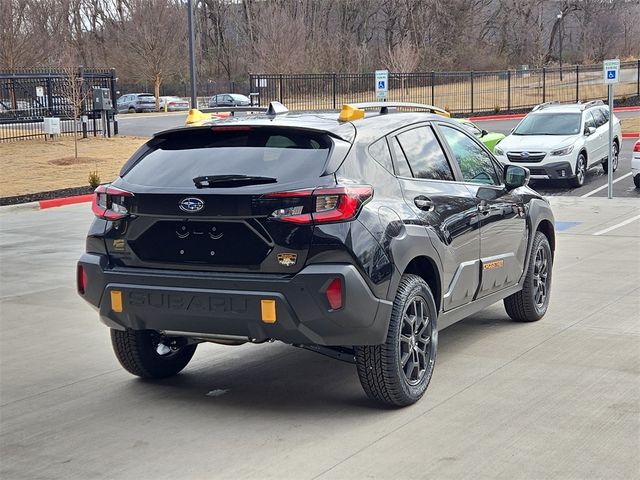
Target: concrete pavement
[[557, 399]]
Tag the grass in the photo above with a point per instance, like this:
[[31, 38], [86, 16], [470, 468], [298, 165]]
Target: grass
[[31, 166], [630, 125]]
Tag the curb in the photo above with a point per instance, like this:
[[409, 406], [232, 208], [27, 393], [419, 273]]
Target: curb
[[18, 207], [59, 202], [631, 135], [43, 204], [513, 116]]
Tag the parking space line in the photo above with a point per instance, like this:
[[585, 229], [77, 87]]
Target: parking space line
[[604, 186], [618, 225]]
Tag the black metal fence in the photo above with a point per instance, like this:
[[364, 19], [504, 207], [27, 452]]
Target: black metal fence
[[457, 92], [29, 96]]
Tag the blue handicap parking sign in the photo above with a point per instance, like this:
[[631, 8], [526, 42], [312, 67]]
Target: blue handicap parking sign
[[611, 74], [381, 84]]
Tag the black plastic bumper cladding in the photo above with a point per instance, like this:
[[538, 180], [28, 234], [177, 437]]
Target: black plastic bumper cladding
[[230, 304]]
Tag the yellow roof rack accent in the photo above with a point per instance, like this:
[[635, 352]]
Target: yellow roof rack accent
[[196, 116], [349, 113]]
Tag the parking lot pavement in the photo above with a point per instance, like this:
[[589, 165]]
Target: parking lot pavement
[[558, 398]]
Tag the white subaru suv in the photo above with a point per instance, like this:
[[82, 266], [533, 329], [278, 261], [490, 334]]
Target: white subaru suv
[[562, 141]]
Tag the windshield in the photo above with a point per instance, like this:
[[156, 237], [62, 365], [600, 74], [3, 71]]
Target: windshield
[[549, 124], [239, 98], [146, 98]]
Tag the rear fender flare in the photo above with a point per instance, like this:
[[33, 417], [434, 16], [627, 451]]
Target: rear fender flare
[[413, 243]]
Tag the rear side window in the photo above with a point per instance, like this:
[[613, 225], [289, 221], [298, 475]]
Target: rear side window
[[176, 159], [589, 121], [379, 150], [475, 164], [424, 154], [599, 116]]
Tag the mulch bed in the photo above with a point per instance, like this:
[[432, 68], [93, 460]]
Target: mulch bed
[[34, 197]]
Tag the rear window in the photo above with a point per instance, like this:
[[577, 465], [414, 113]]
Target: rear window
[[176, 159]]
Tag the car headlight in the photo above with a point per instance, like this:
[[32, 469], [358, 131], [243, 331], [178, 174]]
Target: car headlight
[[498, 151], [562, 151]]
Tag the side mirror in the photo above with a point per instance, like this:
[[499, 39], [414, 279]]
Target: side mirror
[[589, 131], [515, 176], [483, 133]]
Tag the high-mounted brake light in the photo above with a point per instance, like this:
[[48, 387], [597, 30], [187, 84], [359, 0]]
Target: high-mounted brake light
[[110, 202], [327, 205]]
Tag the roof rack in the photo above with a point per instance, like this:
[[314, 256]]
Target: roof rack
[[592, 103], [545, 105], [354, 111], [385, 106], [199, 116]]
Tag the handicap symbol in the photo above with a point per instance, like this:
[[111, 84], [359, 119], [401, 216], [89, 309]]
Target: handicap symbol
[[381, 85], [611, 74]]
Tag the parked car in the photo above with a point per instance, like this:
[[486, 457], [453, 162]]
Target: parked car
[[489, 139], [174, 104], [562, 141], [351, 236], [635, 164], [229, 100], [136, 103]]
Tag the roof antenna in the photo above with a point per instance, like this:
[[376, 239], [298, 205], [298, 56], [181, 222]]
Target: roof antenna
[[276, 108]]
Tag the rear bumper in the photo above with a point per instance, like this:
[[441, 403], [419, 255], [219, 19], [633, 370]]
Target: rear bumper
[[230, 304]]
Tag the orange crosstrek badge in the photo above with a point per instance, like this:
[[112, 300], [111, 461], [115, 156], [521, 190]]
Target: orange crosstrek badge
[[287, 259]]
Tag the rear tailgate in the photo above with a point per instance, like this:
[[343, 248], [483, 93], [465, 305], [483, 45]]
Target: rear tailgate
[[202, 199]]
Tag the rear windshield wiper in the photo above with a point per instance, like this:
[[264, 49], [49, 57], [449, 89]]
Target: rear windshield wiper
[[229, 181]]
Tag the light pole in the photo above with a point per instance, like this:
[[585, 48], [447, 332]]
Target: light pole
[[560, 31], [192, 57]]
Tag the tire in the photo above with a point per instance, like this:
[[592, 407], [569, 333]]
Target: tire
[[581, 172], [531, 303], [136, 352], [131, 110], [636, 180], [605, 164], [398, 372]]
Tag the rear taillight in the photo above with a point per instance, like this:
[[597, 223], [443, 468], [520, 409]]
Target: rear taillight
[[322, 205], [636, 148], [82, 279], [110, 202]]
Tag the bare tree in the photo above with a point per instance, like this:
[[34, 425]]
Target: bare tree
[[75, 94], [152, 39]]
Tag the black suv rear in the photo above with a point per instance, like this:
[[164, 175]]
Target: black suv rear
[[354, 238]]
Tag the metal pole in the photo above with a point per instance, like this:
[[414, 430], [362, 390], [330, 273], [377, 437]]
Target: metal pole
[[561, 32], [610, 157], [508, 90], [192, 57]]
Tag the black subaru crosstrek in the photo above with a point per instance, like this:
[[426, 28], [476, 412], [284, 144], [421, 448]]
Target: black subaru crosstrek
[[357, 236]]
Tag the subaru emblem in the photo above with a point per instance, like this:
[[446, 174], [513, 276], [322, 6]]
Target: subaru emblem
[[524, 154], [191, 205]]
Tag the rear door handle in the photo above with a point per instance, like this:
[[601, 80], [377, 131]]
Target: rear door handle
[[424, 203]]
